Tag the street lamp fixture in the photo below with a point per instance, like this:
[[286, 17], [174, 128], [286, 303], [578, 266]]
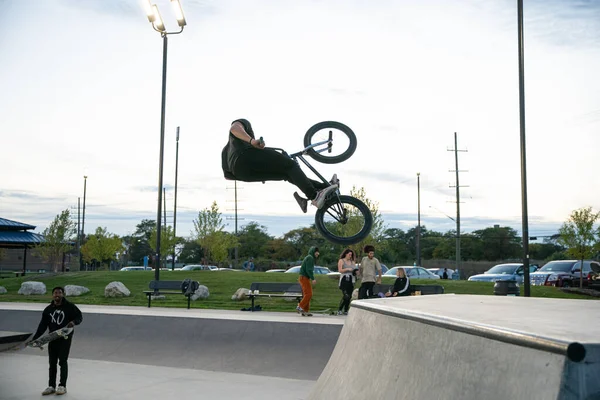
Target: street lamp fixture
[[158, 25]]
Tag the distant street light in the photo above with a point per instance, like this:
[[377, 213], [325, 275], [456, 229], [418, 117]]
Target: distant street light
[[158, 25]]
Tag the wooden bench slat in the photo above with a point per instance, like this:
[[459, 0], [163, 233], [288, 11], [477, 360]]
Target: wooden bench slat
[[273, 287]]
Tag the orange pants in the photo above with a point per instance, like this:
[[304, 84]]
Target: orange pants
[[306, 285]]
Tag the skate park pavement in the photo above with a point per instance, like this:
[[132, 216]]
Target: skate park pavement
[[137, 352], [419, 347]]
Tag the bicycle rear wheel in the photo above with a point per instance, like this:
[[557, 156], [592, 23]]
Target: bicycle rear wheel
[[344, 220], [336, 133]]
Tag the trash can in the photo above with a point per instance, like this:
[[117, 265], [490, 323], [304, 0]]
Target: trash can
[[507, 288]]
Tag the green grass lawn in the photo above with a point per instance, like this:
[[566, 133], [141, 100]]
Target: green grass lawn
[[221, 286]]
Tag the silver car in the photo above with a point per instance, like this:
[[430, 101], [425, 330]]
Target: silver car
[[503, 272], [412, 272]]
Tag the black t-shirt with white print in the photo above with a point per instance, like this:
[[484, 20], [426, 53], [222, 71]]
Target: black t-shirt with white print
[[55, 317]]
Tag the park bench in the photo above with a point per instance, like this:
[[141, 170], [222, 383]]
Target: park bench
[[424, 289], [186, 287], [274, 289]]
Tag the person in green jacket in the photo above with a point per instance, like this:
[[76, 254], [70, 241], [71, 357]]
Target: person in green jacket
[[307, 280]]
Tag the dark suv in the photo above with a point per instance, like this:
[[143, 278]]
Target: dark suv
[[565, 273]]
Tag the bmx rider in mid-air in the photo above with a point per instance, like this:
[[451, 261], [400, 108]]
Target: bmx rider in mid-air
[[246, 159]]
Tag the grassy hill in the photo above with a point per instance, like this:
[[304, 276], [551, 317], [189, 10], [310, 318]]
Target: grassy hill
[[221, 286]]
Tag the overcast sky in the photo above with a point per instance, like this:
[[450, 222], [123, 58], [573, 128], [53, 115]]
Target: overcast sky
[[81, 86]]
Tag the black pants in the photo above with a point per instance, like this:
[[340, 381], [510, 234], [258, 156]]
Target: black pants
[[58, 351], [347, 287], [366, 290], [256, 165]]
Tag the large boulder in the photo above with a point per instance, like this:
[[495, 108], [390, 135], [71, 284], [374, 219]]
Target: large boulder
[[201, 293], [74, 290], [116, 289], [28, 288], [3, 290], [240, 294]]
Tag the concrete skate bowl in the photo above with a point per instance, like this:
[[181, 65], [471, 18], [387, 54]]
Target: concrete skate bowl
[[275, 349], [399, 349]]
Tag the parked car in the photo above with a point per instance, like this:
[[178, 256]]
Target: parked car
[[503, 272], [318, 270], [412, 272], [275, 270], [565, 273], [199, 268], [136, 269], [440, 272]]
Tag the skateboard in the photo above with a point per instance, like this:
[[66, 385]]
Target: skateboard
[[49, 337]]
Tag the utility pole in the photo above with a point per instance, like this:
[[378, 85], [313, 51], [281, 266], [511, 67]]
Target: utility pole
[[78, 229], [83, 219], [419, 219], [175, 205], [235, 217], [525, 223], [457, 186]]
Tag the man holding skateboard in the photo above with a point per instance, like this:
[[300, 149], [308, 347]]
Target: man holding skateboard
[[59, 314]]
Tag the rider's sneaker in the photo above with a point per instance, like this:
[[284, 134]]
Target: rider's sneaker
[[302, 202], [48, 390], [319, 200], [306, 314], [299, 310], [61, 390], [339, 312], [335, 181]]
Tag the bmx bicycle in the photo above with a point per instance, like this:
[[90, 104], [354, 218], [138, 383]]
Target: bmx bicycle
[[343, 219]]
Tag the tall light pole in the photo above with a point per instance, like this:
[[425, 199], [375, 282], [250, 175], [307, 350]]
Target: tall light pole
[[419, 219], [83, 220], [175, 206], [525, 218], [158, 25]]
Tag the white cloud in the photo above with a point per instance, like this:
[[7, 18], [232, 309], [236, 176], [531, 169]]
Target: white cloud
[[82, 89]]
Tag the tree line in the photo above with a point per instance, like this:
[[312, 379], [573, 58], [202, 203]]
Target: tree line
[[209, 243]]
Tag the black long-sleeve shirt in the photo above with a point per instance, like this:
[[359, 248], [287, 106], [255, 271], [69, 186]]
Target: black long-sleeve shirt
[[55, 317], [401, 286]]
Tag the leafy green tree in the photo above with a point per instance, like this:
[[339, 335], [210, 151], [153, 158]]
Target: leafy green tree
[[219, 243], [253, 239], [302, 239], [168, 241], [499, 243], [279, 249], [578, 235], [210, 235], [191, 252], [139, 242], [544, 251], [102, 247], [57, 240], [393, 246]]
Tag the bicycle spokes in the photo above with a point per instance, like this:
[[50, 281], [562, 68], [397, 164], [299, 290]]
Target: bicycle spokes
[[344, 220], [330, 142]]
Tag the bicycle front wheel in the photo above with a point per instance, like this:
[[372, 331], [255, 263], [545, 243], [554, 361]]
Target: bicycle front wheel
[[338, 142], [344, 220]]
